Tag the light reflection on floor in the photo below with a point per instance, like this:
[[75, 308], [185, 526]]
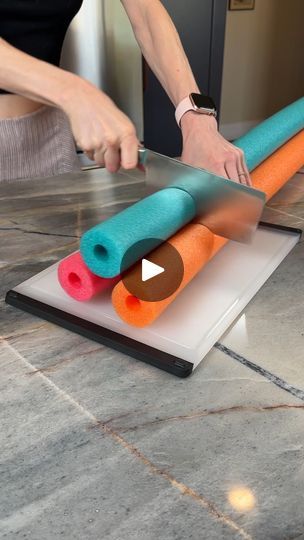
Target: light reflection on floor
[[241, 498]]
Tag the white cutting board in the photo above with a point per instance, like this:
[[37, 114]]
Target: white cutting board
[[201, 313]]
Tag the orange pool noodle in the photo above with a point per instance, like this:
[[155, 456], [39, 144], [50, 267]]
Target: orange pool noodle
[[197, 245]]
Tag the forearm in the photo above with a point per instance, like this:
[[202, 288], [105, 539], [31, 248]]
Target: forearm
[[27, 76], [161, 47], [98, 126]]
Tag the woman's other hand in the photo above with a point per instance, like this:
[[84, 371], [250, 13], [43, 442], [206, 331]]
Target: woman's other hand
[[204, 147]]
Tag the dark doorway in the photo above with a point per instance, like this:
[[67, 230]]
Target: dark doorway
[[201, 26]]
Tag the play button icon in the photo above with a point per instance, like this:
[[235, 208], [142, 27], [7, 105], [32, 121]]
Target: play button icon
[[149, 270], [157, 273]]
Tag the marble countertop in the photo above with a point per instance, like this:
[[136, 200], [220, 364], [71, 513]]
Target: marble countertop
[[97, 445]]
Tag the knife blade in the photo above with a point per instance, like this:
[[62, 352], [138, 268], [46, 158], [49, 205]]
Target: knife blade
[[227, 208]]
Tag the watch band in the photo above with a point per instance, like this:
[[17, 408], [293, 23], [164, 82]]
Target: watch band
[[186, 105]]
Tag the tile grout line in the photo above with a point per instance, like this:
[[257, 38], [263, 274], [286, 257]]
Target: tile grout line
[[154, 469], [285, 213], [297, 392], [29, 231], [211, 412], [6, 264]]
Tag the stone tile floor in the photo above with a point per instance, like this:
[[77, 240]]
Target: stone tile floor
[[95, 445]]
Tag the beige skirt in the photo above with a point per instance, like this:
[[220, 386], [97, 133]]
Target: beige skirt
[[37, 144]]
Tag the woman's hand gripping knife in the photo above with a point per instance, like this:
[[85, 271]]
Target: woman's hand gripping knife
[[103, 131]]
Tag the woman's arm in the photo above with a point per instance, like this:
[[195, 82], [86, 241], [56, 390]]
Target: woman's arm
[[99, 127], [37, 80], [203, 146]]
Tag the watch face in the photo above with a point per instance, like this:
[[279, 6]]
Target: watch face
[[203, 102]]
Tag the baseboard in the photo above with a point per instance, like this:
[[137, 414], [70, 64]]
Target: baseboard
[[233, 131]]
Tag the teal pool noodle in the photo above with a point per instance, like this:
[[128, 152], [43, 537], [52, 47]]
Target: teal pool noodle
[[264, 139], [158, 216]]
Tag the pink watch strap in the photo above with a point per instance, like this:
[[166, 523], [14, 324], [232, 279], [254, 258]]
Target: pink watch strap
[[184, 106]]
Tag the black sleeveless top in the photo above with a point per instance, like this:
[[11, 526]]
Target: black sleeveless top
[[37, 27]]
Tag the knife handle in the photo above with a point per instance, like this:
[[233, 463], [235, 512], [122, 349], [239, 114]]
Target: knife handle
[[142, 158]]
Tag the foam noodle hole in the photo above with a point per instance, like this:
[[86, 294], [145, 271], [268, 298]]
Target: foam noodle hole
[[100, 252], [74, 280], [132, 303]]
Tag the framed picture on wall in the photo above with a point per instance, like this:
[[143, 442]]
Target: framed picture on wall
[[237, 5]]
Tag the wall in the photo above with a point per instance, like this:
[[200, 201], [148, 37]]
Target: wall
[[263, 63]]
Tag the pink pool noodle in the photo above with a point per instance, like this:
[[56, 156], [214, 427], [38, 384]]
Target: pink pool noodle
[[78, 281]]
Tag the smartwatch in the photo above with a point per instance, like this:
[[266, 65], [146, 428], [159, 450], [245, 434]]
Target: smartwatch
[[195, 102]]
